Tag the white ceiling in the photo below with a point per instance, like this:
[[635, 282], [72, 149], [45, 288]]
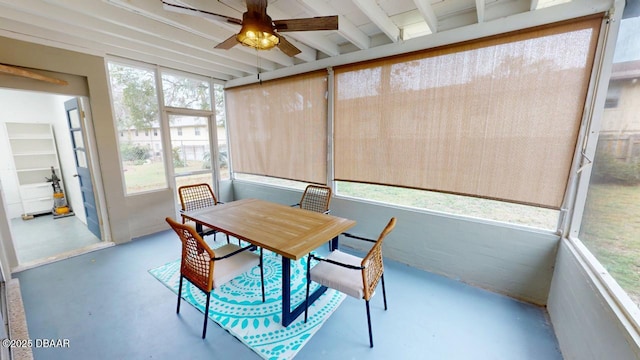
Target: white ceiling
[[142, 30]]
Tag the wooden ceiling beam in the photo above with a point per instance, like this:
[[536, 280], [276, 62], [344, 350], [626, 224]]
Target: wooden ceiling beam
[[12, 70]]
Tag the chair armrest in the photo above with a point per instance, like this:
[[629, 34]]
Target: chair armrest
[[358, 237], [233, 253], [348, 266]]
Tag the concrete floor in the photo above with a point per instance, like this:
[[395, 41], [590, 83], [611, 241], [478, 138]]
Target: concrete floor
[[109, 307], [44, 237]]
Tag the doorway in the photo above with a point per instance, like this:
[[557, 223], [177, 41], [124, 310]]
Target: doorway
[[43, 237]]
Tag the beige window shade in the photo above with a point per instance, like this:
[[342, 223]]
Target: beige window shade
[[279, 128], [496, 118]]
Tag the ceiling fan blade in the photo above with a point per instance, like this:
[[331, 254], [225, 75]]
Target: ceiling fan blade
[[227, 44], [206, 14], [307, 24], [258, 6], [286, 47]]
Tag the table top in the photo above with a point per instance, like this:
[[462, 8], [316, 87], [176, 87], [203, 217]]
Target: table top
[[289, 231]]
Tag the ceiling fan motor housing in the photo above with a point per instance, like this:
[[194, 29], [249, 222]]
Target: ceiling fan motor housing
[[257, 31]]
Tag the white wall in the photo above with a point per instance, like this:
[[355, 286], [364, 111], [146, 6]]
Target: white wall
[[510, 260], [7, 251], [588, 323], [35, 107]]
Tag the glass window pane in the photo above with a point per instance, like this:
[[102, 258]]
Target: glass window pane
[[609, 228], [136, 109], [221, 128], [74, 119], [190, 153], [82, 158], [78, 140], [183, 92]]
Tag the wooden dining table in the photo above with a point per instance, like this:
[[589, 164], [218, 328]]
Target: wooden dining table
[[288, 231]]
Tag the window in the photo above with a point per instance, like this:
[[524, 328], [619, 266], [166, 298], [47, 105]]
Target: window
[[179, 130], [610, 227], [283, 117], [476, 119], [155, 132], [191, 155], [196, 131], [466, 128], [221, 132], [185, 92], [146, 132], [135, 104]]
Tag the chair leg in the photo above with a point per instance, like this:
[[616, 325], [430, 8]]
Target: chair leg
[[206, 316], [179, 294], [369, 322], [384, 293], [261, 274], [306, 300]]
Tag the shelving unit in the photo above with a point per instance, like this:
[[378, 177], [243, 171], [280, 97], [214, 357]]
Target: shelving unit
[[34, 152]]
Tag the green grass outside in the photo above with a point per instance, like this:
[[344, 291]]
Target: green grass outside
[[151, 176], [611, 231]]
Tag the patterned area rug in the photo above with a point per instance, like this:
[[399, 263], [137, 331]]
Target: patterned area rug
[[237, 306]]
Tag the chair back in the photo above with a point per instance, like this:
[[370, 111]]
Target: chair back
[[196, 264], [374, 268], [196, 196], [316, 198]]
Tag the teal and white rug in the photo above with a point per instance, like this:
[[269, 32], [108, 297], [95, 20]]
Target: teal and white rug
[[237, 306]]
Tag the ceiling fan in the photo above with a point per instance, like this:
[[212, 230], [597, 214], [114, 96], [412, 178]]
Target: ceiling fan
[[258, 30]]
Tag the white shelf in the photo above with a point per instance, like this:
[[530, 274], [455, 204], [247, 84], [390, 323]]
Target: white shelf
[[34, 152], [48, 169], [29, 137]]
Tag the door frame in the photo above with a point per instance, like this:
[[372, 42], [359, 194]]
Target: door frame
[[7, 242]]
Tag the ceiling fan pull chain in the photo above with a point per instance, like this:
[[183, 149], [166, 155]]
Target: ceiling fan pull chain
[[258, 66]]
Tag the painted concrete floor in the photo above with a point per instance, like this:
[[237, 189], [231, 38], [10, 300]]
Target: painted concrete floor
[[109, 307], [44, 236]]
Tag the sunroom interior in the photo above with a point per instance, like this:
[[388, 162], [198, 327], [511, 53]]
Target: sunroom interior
[[503, 111]]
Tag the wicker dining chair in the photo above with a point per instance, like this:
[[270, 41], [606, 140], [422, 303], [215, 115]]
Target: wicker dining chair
[[349, 274], [316, 198], [198, 196], [208, 269]]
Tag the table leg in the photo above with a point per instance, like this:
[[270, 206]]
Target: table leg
[[334, 243], [287, 315]]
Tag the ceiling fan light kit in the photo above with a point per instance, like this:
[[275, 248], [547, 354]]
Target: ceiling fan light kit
[[257, 33], [258, 30]]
